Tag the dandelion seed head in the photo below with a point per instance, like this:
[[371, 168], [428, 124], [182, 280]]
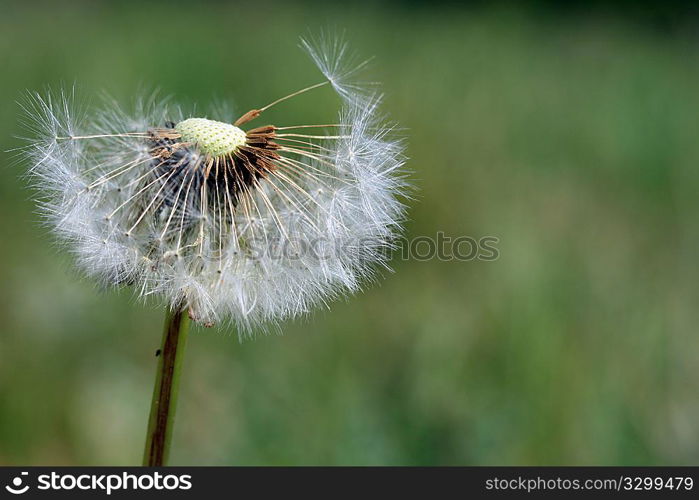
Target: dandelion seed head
[[232, 221]]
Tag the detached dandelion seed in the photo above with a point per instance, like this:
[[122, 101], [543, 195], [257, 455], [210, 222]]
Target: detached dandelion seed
[[222, 220]]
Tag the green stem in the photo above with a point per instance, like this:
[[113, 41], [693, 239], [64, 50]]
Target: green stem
[[164, 403]]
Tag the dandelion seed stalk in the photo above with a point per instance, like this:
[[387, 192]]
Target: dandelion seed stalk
[[166, 389], [227, 222]]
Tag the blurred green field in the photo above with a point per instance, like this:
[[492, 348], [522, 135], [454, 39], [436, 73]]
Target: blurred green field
[[571, 138]]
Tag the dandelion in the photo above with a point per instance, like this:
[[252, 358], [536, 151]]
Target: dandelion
[[236, 222]]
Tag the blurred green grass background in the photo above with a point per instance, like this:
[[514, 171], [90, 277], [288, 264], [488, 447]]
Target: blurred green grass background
[[572, 137]]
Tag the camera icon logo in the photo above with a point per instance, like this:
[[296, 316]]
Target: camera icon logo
[[16, 487]]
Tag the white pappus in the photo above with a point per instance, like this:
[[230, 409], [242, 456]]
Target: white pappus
[[232, 222]]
